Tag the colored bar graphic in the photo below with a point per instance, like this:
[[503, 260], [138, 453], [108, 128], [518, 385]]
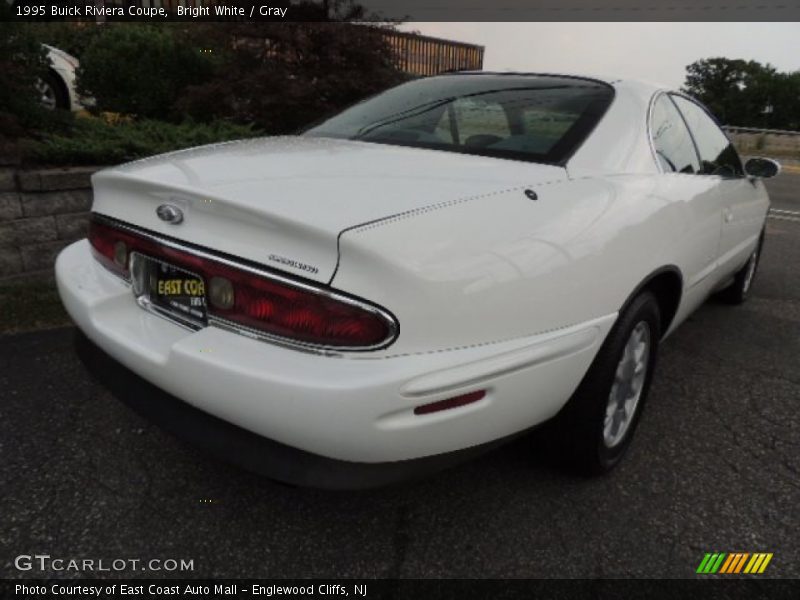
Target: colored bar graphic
[[740, 564], [727, 564], [734, 563], [764, 564], [754, 563], [712, 560], [730, 564], [717, 564], [703, 563], [711, 563]]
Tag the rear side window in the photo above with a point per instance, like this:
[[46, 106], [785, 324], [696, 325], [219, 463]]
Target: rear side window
[[671, 140], [717, 154]]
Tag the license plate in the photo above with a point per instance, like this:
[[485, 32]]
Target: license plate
[[169, 290]]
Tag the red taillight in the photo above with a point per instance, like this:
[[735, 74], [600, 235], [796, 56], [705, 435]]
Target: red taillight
[[294, 312], [107, 244], [242, 297]]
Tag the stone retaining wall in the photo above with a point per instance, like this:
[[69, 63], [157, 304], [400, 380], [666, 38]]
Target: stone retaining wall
[[41, 211]]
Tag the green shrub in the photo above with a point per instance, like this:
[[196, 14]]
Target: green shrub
[[22, 61], [140, 69], [95, 142]]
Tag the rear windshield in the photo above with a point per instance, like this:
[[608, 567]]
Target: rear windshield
[[535, 118]]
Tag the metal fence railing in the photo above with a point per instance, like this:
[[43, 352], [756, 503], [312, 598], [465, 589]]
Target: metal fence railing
[[733, 129]]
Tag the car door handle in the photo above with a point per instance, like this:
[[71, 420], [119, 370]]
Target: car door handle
[[728, 215]]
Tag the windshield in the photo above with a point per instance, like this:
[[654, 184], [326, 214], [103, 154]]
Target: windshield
[[537, 118]]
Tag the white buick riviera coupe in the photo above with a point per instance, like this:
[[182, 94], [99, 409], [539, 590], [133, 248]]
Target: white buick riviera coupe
[[426, 274]]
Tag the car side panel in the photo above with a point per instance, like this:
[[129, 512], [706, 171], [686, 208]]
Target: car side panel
[[620, 143], [745, 208], [505, 266]]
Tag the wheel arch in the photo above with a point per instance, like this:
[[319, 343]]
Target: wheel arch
[[666, 284], [63, 88]]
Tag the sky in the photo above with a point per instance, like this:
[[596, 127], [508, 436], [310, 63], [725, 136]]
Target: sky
[[657, 52]]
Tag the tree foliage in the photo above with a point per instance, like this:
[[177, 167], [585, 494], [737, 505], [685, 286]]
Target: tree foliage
[[277, 75], [746, 93], [71, 37], [285, 75], [140, 69], [22, 62]]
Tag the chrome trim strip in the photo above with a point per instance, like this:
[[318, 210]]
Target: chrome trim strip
[[650, 141], [174, 317], [385, 315]]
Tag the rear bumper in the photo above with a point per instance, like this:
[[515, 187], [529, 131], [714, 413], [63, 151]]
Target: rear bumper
[[245, 448], [356, 409]]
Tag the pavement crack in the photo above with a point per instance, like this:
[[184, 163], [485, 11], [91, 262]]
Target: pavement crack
[[746, 443]]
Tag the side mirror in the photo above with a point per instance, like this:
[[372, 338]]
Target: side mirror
[[763, 168]]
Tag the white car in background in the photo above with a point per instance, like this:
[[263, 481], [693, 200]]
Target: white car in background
[[430, 272], [57, 88]]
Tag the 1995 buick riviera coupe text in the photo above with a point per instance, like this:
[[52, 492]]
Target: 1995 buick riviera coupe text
[[438, 268]]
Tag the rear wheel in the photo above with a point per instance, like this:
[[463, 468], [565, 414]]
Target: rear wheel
[[52, 93], [596, 426]]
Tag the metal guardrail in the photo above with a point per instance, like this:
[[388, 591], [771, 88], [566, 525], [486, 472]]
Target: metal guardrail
[[736, 129]]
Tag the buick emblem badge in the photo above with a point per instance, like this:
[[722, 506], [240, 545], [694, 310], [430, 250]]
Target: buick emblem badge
[[170, 214]]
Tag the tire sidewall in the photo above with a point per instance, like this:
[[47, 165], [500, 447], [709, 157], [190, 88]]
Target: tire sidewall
[[584, 415], [54, 82], [745, 293], [736, 293], [643, 308]]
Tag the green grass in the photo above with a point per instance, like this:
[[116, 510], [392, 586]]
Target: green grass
[[31, 305]]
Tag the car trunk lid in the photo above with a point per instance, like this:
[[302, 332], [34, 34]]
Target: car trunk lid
[[283, 201]]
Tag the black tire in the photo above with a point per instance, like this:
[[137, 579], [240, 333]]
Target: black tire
[[53, 87], [579, 427], [739, 290]]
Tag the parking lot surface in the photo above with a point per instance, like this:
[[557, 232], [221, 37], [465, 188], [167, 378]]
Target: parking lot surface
[[715, 467]]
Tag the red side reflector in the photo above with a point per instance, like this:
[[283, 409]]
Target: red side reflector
[[449, 403]]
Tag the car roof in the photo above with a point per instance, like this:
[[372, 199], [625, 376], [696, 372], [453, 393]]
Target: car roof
[[617, 82]]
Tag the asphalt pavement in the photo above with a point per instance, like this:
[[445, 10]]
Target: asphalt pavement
[[715, 467]]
